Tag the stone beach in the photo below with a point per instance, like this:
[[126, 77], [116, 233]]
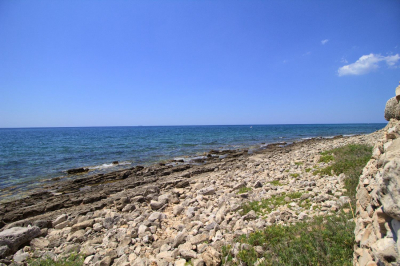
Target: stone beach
[[170, 215]]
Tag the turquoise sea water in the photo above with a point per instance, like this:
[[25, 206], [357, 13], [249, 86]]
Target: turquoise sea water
[[31, 156]]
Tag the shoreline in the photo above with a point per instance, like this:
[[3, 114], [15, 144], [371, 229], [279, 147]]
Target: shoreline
[[115, 181], [194, 159], [19, 177], [165, 214]]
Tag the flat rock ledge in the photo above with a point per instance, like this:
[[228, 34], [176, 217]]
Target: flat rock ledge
[[187, 215], [378, 203]]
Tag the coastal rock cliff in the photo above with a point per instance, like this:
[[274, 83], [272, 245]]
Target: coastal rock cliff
[[378, 201]]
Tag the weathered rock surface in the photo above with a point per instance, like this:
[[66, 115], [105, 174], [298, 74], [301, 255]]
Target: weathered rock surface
[[14, 237], [392, 109], [378, 203]]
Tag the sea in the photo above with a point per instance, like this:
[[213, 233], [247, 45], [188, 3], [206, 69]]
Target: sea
[[31, 158]]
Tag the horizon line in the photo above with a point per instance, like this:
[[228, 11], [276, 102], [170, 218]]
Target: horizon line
[[33, 127]]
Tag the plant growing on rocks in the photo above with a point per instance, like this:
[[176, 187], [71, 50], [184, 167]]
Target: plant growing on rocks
[[267, 205], [244, 190], [72, 260], [323, 241]]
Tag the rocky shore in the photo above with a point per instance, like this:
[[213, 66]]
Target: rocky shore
[[170, 215]]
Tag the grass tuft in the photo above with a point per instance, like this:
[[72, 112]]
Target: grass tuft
[[276, 183], [72, 260], [244, 190], [324, 241], [267, 205]]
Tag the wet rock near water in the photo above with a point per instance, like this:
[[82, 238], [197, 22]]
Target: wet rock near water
[[77, 171]]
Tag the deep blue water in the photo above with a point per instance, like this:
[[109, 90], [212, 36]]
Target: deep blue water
[[30, 156]]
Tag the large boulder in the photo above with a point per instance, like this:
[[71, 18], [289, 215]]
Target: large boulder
[[392, 109], [17, 236]]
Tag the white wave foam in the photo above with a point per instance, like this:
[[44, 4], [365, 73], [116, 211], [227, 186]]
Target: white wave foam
[[124, 163], [103, 166], [108, 165]]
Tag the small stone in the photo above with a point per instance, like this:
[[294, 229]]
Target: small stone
[[385, 248], [156, 205], [188, 254], [97, 227], [20, 256], [180, 262], [106, 261], [251, 215], [177, 210], [62, 225], [82, 225], [4, 250], [302, 216], [207, 191], [257, 184], [199, 239], [156, 216], [60, 219], [199, 262], [129, 208], [88, 259], [179, 239], [39, 243], [239, 186]]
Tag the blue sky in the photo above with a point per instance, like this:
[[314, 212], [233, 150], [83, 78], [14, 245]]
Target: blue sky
[[128, 63]]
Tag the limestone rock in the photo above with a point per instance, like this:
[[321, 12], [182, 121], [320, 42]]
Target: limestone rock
[[177, 210], [391, 191], [392, 109], [211, 256], [4, 250], [156, 216], [156, 205], [39, 243], [385, 249], [60, 219], [188, 254], [207, 191], [82, 225], [17, 236]]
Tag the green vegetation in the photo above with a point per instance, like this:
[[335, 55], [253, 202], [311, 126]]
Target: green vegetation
[[326, 157], [324, 241], [244, 190], [321, 241], [298, 163], [276, 183], [189, 263], [72, 260], [294, 175], [349, 160], [267, 205]]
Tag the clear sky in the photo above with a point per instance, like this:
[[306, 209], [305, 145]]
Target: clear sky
[[170, 62]]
